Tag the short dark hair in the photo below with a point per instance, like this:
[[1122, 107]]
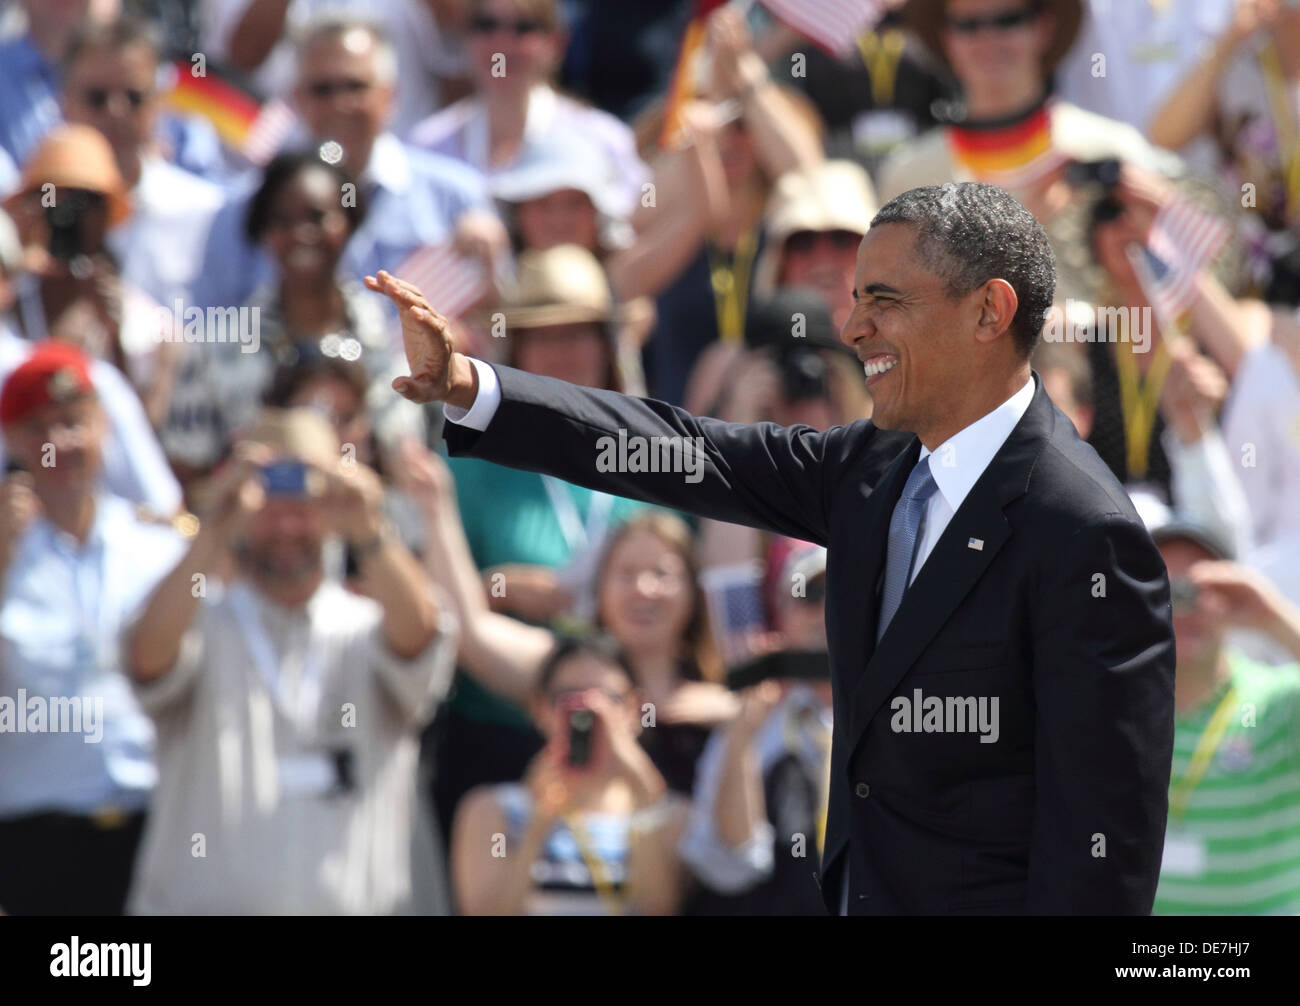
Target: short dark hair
[[968, 233], [282, 170], [596, 644], [114, 36]]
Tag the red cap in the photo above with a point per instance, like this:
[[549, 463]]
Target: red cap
[[55, 372]]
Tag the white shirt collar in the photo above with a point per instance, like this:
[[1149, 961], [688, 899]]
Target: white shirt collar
[[389, 167], [962, 458]]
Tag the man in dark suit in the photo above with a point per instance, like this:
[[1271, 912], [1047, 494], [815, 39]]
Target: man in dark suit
[[998, 617]]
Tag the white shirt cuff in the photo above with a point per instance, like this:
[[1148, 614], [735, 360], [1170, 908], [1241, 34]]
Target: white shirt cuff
[[478, 415]]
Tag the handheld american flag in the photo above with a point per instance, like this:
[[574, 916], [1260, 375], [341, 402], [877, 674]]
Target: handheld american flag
[[450, 283], [1184, 239], [832, 24]]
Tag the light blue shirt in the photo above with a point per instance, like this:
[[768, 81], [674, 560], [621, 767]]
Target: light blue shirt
[[415, 198], [29, 98], [62, 612]]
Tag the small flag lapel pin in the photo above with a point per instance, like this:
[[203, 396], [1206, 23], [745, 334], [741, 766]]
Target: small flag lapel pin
[[976, 543]]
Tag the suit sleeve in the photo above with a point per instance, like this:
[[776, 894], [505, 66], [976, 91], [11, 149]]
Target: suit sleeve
[[765, 476], [1103, 678]]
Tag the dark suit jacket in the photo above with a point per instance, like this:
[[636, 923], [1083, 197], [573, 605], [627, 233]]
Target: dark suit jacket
[[1062, 615]]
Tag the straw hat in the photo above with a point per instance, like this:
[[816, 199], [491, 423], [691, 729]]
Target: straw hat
[[564, 285], [927, 18], [75, 157], [834, 195]]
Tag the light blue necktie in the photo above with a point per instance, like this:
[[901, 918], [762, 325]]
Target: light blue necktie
[[904, 534]]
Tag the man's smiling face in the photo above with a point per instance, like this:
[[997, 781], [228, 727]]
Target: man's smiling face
[[914, 339]]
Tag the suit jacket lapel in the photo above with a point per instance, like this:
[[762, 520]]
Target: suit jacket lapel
[[861, 561], [953, 567]]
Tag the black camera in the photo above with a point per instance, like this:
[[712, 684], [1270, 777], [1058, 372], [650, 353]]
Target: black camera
[[805, 374], [1104, 173], [64, 219]]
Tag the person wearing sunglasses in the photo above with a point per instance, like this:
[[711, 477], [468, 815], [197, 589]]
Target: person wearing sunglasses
[[109, 84], [815, 222], [1230, 847], [1005, 129], [72, 287], [347, 77], [515, 48], [1011, 130], [256, 37]]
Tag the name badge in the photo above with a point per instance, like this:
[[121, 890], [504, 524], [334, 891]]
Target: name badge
[[1185, 855]]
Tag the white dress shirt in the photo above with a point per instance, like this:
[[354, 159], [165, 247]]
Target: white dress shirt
[[959, 462]]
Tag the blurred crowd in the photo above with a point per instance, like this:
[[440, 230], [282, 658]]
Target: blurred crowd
[[263, 649]]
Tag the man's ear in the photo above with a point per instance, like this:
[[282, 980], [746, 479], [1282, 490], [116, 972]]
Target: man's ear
[[997, 311]]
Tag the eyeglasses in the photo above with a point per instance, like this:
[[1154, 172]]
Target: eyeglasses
[[806, 241], [486, 24], [99, 97], [326, 89], [1002, 21]]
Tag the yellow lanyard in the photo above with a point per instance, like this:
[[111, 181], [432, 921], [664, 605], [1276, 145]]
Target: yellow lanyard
[[600, 878], [1284, 120], [793, 734], [730, 281], [1206, 746], [1139, 400], [881, 54]]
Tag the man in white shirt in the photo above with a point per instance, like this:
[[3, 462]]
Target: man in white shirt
[[998, 619], [288, 710]]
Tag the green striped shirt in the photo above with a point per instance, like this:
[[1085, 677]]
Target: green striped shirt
[[1236, 851]]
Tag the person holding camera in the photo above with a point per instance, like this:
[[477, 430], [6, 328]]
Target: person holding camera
[[76, 564], [592, 829], [758, 813], [1159, 396], [312, 696], [1008, 128], [134, 465], [73, 290]]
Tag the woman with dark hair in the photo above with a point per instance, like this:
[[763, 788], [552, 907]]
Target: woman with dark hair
[[303, 213], [593, 828]]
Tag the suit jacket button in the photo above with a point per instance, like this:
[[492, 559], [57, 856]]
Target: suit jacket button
[[862, 790]]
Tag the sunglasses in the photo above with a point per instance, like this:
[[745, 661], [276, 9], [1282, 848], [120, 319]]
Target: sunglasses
[[806, 241], [99, 97], [485, 24], [1006, 20], [326, 89]]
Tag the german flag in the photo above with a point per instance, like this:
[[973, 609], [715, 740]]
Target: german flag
[[231, 111], [1011, 156]]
